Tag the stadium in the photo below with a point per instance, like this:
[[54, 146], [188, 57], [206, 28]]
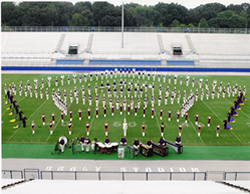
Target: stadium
[[105, 74]]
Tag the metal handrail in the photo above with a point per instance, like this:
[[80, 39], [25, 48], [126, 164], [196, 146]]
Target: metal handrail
[[126, 29], [99, 174]]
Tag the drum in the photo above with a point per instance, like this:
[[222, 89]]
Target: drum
[[109, 148], [101, 147], [64, 138], [114, 146]]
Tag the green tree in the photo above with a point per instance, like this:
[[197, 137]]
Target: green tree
[[175, 23], [7, 10], [203, 23], [207, 11], [227, 19]]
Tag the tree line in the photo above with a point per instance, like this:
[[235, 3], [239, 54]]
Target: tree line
[[214, 15]]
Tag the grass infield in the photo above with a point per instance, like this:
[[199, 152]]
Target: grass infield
[[189, 153], [42, 140]]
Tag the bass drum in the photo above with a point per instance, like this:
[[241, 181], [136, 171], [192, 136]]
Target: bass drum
[[64, 138]]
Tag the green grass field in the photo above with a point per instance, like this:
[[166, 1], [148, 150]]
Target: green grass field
[[217, 109]]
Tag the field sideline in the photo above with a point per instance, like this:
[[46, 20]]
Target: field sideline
[[217, 109]]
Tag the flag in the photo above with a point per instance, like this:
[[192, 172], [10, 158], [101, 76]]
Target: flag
[[13, 120], [9, 107], [17, 126], [11, 113], [6, 102]]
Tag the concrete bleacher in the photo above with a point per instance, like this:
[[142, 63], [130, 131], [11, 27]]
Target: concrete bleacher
[[98, 48]]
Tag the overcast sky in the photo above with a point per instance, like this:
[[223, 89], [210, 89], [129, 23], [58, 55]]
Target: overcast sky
[[187, 3]]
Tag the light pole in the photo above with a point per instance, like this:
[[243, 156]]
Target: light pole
[[245, 8]]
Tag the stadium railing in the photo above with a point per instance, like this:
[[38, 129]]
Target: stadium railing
[[126, 29], [123, 176]]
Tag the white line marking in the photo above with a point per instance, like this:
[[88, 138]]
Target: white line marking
[[229, 101], [53, 129], [37, 110], [236, 137], [221, 119], [91, 122], [155, 115], [196, 131], [213, 111], [14, 133]]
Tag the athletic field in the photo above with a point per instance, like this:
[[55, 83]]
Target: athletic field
[[33, 108]]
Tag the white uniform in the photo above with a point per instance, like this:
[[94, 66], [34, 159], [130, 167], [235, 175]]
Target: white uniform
[[125, 127]]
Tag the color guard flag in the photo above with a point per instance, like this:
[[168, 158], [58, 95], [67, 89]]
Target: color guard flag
[[11, 113], [9, 107], [17, 126], [13, 120], [6, 102]]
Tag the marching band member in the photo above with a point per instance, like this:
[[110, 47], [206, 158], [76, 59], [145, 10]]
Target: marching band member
[[123, 141], [208, 120], [162, 142], [152, 112], [196, 118], [169, 115], [33, 127], [162, 129], [136, 146], [89, 112], [180, 128], [178, 116], [80, 114], [125, 127], [70, 127], [87, 143], [50, 127], [62, 144], [143, 127], [70, 115], [112, 110], [161, 112], [199, 129], [96, 112], [43, 118], [186, 117], [53, 117], [62, 116], [106, 125], [82, 142], [217, 130], [87, 128]]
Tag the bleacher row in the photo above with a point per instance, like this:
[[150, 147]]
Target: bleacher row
[[124, 62]]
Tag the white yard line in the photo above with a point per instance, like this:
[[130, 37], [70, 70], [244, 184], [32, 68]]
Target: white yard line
[[92, 120], [228, 101], [240, 110], [159, 127], [37, 109], [212, 111], [27, 120], [56, 126], [53, 129], [236, 137], [195, 130], [14, 133], [222, 120]]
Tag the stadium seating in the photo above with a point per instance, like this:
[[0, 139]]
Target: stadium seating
[[124, 62], [69, 61]]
